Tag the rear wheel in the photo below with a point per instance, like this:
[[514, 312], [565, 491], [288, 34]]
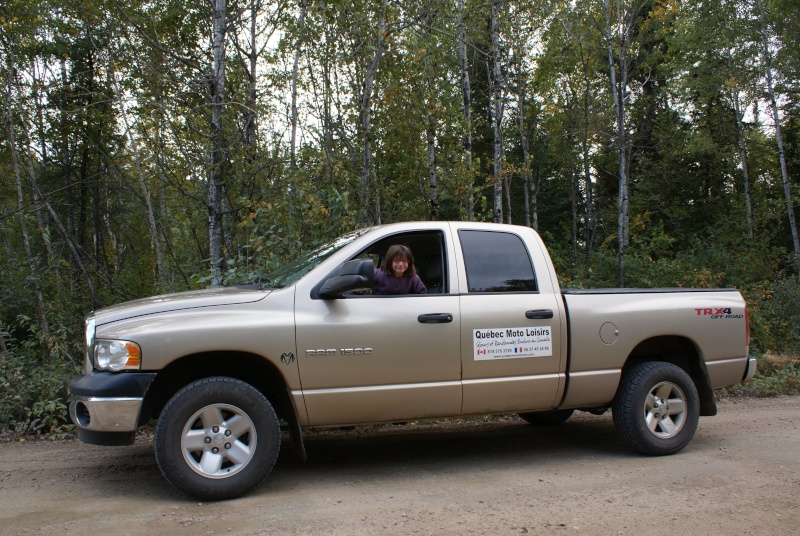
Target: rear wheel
[[217, 438], [548, 418], [656, 409]]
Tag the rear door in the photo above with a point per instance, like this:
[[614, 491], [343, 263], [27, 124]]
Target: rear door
[[512, 353]]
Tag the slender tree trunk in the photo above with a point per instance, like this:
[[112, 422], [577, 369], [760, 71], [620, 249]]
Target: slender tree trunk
[[16, 163], [327, 121], [588, 224], [8, 271], [293, 141], [251, 125], [218, 157], [743, 156], [498, 108], [778, 138], [166, 227], [432, 184], [70, 241], [36, 86], [573, 195], [155, 243], [618, 91], [366, 116], [535, 188], [527, 183], [15, 158], [507, 190], [433, 188], [466, 94]]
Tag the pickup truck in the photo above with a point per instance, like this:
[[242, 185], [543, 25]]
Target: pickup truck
[[223, 369]]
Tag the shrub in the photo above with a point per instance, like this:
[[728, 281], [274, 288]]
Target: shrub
[[776, 376], [33, 390]]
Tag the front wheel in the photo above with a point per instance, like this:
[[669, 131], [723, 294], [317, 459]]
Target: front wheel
[[656, 409], [217, 438]]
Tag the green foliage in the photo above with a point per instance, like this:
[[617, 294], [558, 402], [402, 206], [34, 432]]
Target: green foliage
[[786, 311], [98, 206], [33, 390], [776, 375]]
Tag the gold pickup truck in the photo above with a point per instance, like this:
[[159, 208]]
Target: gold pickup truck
[[313, 346]]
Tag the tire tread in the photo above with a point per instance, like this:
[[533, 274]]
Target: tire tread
[[628, 404], [169, 429]]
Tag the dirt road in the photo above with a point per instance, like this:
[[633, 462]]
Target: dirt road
[[740, 475]]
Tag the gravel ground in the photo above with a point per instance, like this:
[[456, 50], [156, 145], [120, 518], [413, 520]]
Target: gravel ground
[[740, 475]]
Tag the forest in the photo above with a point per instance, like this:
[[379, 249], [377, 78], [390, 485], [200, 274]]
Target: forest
[[154, 147]]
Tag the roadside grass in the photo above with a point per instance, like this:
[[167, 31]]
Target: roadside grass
[[776, 375]]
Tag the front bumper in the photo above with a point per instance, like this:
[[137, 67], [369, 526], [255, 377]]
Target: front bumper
[[105, 414], [106, 406]]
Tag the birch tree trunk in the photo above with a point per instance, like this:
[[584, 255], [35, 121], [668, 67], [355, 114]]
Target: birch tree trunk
[[433, 190], [778, 138], [293, 141], [573, 197], [251, 124], [618, 91], [588, 224], [366, 119], [527, 183], [432, 183], [743, 157], [497, 116], [218, 157], [466, 94]]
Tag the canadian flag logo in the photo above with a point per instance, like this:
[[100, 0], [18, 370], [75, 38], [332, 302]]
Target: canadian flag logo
[[481, 352]]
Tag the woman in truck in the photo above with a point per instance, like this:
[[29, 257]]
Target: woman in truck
[[397, 274]]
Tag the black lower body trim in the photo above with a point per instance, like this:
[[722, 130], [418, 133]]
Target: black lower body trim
[[112, 384]]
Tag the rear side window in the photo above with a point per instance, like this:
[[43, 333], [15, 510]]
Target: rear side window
[[496, 262]]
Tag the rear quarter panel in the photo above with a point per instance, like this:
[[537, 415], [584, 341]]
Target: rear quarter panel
[[605, 327]]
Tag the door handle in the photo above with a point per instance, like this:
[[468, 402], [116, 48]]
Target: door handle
[[539, 314], [436, 318]]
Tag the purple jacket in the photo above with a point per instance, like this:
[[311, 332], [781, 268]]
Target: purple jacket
[[389, 284]]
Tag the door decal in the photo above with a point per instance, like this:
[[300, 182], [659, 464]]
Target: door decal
[[511, 343]]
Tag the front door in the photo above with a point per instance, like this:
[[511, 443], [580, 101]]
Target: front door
[[380, 358]]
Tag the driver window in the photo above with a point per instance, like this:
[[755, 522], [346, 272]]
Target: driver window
[[427, 254]]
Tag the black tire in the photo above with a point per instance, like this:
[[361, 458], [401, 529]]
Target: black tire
[[217, 438], [548, 418], [656, 409]]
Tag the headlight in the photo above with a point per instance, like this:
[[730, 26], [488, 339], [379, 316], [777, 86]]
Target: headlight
[[117, 355]]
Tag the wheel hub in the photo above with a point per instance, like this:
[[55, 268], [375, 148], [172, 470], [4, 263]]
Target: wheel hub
[[662, 416], [218, 441]]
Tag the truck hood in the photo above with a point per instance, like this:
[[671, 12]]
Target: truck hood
[[178, 301]]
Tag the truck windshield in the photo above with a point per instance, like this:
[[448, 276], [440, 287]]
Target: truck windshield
[[292, 272]]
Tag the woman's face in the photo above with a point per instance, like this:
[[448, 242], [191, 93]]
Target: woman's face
[[399, 265]]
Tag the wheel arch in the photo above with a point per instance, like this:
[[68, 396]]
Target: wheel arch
[[247, 367], [684, 353]]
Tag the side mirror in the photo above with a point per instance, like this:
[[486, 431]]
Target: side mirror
[[355, 274]]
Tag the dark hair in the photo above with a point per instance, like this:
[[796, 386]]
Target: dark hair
[[398, 250]]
